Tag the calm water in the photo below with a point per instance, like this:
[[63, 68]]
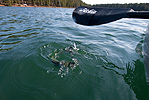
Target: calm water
[[111, 65]]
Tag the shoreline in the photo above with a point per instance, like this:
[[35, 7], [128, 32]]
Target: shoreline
[[34, 6]]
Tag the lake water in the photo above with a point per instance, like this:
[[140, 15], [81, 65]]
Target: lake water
[[110, 57]]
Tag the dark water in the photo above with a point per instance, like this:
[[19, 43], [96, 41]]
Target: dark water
[[110, 56]]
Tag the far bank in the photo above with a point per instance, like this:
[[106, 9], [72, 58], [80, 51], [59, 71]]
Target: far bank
[[34, 6]]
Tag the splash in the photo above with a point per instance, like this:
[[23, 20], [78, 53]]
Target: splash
[[75, 47], [63, 59]]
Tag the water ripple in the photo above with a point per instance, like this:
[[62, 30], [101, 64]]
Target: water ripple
[[109, 56]]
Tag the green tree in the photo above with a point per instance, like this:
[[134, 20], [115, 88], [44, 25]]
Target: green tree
[[63, 3]]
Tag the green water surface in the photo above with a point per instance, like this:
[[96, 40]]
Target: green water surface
[[110, 57]]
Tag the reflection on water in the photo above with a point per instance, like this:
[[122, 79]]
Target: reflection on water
[[146, 54], [136, 79]]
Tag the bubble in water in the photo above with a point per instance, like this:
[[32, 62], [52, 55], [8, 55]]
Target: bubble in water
[[80, 72], [47, 71]]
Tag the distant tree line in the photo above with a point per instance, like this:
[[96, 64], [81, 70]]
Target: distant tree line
[[56, 3], [134, 6]]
